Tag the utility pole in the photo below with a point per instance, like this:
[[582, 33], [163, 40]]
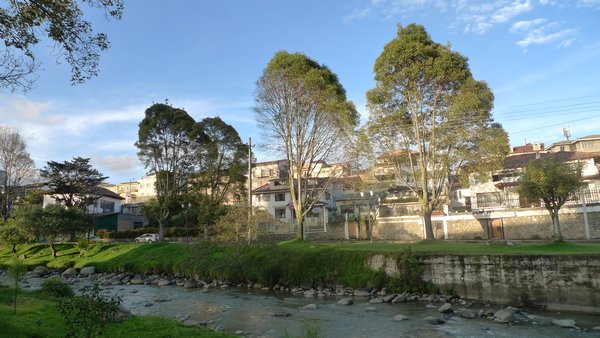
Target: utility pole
[[249, 187], [567, 134]]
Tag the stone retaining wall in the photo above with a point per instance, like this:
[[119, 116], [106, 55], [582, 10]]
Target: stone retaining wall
[[554, 282]]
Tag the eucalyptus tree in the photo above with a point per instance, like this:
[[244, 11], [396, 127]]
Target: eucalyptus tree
[[302, 110], [431, 118], [25, 24], [221, 160], [167, 143], [552, 181], [16, 166]]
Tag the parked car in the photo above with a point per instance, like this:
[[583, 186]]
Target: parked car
[[147, 238]]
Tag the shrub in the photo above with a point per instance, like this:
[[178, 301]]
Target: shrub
[[86, 315], [55, 287], [103, 233], [83, 246]]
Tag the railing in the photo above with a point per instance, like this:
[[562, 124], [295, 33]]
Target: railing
[[501, 201]]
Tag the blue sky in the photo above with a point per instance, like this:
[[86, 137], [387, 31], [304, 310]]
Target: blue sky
[[540, 57]]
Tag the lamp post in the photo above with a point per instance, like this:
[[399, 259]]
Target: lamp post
[[369, 196]]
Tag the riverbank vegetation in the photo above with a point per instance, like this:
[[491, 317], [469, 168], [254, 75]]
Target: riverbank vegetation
[[37, 316], [293, 263]]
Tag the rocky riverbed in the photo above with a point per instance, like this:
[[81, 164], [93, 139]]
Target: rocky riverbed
[[255, 310]]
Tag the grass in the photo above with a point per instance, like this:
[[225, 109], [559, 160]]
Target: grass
[[37, 317]]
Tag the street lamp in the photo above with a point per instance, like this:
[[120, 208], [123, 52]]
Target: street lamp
[[369, 196]]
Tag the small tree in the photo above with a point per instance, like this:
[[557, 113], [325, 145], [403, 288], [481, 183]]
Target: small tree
[[16, 270], [552, 181], [13, 235]]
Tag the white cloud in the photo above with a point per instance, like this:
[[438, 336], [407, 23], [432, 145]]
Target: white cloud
[[387, 9], [589, 3], [508, 12], [522, 26], [540, 36]]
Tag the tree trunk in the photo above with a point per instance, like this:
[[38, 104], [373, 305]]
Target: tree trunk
[[161, 231], [427, 223], [72, 236], [205, 231], [53, 249], [556, 224], [300, 228], [14, 249]]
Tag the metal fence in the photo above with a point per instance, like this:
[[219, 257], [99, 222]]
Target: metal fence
[[499, 200]]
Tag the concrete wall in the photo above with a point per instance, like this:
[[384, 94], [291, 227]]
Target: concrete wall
[[554, 282]]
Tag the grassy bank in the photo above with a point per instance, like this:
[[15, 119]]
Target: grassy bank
[[290, 263], [37, 316]]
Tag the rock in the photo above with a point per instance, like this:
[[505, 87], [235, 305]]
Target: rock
[[596, 328], [190, 284], [310, 307], [164, 282], [122, 314], [87, 271], [361, 293], [220, 328], [382, 293], [137, 279], [399, 299], [40, 271], [505, 315], [400, 318], [446, 308], [70, 273], [281, 314], [346, 301], [148, 304], [182, 318], [190, 322], [162, 299], [239, 333], [257, 286], [377, 300], [431, 298], [388, 298], [310, 293], [566, 323], [466, 314], [434, 320], [370, 309]]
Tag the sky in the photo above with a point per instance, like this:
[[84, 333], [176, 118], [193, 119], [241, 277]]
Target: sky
[[541, 58]]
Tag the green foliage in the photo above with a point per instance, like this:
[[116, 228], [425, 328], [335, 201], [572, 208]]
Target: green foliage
[[13, 234], [103, 233], [26, 23], [87, 315], [16, 270], [302, 109], [55, 287], [83, 245], [431, 118], [554, 182]]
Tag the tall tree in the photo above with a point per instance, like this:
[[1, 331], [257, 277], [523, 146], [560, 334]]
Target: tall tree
[[166, 143], [222, 162], [431, 117], [15, 166], [73, 184], [302, 109], [24, 24], [552, 181]]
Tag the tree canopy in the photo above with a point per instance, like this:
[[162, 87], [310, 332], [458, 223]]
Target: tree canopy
[[552, 181], [25, 24], [431, 118], [304, 114], [16, 166]]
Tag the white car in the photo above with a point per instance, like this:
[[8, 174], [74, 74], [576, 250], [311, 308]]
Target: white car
[[147, 238]]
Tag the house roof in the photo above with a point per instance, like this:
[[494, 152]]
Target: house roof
[[100, 191], [516, 161], [589, 137]]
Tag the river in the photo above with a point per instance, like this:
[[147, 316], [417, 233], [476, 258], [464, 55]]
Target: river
[[259, 313]]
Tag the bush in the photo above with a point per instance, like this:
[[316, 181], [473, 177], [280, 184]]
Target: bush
[[83, 246], [103, 233], [86, 315], [55, 287]]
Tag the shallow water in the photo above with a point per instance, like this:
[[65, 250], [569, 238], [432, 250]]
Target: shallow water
[[272, 314]]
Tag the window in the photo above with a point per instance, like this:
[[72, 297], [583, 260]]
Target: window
[[265, 197], [280, 213], [279, 197], [107, 206]]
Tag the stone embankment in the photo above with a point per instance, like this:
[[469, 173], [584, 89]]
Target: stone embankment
[[447, 305]]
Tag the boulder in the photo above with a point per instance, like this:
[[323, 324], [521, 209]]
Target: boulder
[[370, 309], [466, 314], [164, 282], [70, 273], [446, 308], [377, 300], [400, 318], [137, 279], [505, 315], [87, 271], [190, 284], [566, 323], [310, 293], [388, 298], [346, 301], [399, 299], [361, 293], [40, 271], [434, 320], [309, 307], [122, 314]]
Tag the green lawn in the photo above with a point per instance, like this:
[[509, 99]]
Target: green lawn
[[37, 317]]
